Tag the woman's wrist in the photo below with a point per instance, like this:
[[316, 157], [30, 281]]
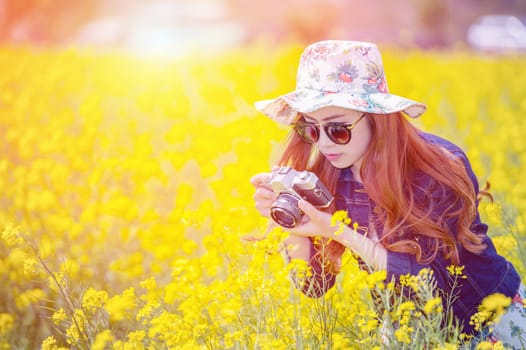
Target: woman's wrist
[[343, 234], [372, 253]]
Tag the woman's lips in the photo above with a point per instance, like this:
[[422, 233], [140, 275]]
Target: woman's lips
[[332, 156]]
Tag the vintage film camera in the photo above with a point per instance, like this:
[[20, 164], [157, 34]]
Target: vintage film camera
[[291, 186]]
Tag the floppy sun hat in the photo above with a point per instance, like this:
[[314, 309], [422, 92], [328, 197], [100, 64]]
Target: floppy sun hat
[[347, 74]]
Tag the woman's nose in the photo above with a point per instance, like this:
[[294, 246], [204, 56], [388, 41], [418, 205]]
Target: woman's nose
[[324, 140]]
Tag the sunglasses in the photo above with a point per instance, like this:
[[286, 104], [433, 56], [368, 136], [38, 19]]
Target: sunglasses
[[339, 133]]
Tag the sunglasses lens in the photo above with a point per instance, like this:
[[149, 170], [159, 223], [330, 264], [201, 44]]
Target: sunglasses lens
[[309, 133], [338, 134]]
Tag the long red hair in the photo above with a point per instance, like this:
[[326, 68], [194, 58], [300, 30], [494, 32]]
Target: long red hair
[[395, 154]]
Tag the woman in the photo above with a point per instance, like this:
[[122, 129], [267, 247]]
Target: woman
[[413, 194]]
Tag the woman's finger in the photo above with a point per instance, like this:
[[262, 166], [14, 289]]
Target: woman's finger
[[263, 193], [260, 179], [314, 221]]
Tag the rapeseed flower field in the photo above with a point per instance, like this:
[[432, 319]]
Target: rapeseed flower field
[[126, 208]]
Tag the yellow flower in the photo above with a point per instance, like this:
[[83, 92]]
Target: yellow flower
[[11, 236], [484, 345], [136, 336], [479, 319], [410, 281], [403, 334], [340, 217], [93, 299], [233, 337], [499, 346], [50, 343], [147, 311], [74, 334], [59, 317], [404, 311], [496, 305], [496, 302], [391, 286], [153, 292], [6, 323], [377, 279], [102, 339], [120, 306], [29, 297], [300, 268], [31, 267], [455, 270], [433, 305]]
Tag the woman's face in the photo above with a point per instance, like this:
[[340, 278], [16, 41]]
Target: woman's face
[[350, 154]]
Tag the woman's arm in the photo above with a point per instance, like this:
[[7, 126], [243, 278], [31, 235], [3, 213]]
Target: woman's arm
[[297, 247], [318, 223]]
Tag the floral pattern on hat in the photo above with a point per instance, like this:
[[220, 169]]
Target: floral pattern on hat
[[347, 74], [376, 79]]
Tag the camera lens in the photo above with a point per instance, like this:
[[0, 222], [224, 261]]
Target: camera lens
[[285, 210]]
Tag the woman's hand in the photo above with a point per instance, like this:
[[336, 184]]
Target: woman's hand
[[264, 196], [318, 223], [314, 223]]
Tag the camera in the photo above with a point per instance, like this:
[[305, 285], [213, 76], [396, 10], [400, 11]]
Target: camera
[[292, 186]]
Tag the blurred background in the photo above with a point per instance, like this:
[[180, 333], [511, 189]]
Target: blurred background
[[173, 27]]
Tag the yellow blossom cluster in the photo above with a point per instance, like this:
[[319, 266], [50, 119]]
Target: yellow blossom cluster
[[340, 220], [126, 200], [490, 310]]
